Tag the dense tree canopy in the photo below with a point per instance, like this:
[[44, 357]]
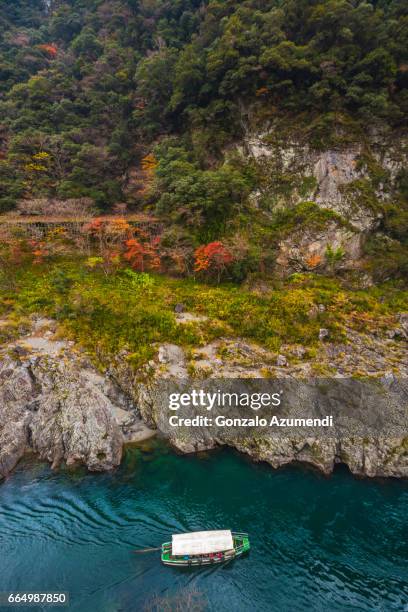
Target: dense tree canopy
[[87, 87]]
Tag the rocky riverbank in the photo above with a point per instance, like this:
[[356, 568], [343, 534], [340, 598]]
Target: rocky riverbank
[[375, 455], [54, 403]]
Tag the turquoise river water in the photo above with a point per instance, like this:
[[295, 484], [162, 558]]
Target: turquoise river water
[[318, 543]]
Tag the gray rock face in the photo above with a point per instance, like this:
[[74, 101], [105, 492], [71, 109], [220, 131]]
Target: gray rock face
[[331, 170], [17, 390], [48, 406], [374, 456], [58, 406], [403, 319], [339, 180], [55, 404], [307, 251], [172, 358], [334, 170], [380, 457]]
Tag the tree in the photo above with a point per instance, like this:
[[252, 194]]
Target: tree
[[154, 91], [49, 49], [203, 200], [142, 256], [107, 238], [212, 259]]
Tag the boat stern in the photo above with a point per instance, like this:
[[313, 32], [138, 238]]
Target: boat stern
[[166, 553]]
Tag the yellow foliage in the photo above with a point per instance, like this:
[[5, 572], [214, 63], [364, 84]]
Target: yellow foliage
[[57, 232], [118, 226], [41, 155], [149, 163], [35, 168]]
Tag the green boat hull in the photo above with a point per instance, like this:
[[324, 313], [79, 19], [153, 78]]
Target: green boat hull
[[241, 546]]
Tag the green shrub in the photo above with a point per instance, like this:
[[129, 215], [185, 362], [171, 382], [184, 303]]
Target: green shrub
[[108, 314]]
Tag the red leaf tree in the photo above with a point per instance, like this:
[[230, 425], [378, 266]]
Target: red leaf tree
[[142, 255], [212, 259], [50, 49], [116, 238]]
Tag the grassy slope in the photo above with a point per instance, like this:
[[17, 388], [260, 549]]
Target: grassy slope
[[130, 311]]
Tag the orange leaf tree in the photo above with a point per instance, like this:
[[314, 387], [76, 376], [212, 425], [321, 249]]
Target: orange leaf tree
[[212, 259], [50, 49], [142, 255]]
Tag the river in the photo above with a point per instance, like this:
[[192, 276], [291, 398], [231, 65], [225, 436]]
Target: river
[[318, 543]]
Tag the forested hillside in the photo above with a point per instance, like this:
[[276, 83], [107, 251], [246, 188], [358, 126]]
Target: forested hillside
[[155, 103]]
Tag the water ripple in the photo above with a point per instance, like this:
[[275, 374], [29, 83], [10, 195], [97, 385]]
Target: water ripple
[[317, 543]]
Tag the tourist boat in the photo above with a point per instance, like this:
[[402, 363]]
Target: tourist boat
[[204, 548]]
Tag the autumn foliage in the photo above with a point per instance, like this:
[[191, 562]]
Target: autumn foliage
[[314, 261], [49, 49], [39, 251], [149, 164], [143, 255], [212, 259], [116, 240]]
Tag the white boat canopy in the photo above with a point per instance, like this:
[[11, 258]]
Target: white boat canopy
[[201, 542]]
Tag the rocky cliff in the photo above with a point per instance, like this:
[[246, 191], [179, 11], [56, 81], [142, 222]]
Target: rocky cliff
[[350, 183], [55, 404], [382, 361], [384, 400]]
